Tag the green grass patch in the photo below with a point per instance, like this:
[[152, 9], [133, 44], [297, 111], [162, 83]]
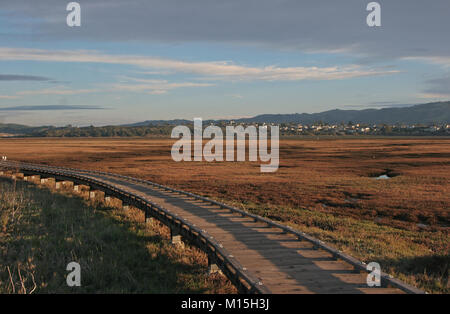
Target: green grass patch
[[41, 232]]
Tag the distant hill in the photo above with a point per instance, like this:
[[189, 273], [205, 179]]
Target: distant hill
[[10, 128], [438, 112], [160, 122]]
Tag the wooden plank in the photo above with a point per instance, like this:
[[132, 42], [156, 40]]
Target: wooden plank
[[253, 261], [262, 245]]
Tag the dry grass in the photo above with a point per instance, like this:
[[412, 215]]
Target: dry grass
[[41, 232], [323, 186]]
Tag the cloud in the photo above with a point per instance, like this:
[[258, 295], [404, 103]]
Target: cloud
[[56, 91], [435, 96], [437, 88], [409, 27], [50, 107], [438, 60], [378, 105], [16, 77], [152, 87], [8, 97], [217, 70]]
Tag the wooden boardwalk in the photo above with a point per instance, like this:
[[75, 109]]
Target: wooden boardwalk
[[282, 262]]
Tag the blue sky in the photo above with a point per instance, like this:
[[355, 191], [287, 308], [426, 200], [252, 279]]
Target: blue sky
[[139, 60]]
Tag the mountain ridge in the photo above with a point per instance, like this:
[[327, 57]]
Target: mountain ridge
[[435, 112]]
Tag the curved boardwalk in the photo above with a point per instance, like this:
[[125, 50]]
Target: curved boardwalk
[[279, 260]]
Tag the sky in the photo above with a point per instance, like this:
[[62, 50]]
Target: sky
[[136, 60]]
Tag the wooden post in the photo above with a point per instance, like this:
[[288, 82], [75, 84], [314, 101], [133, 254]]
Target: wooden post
[[96, 194], [175, 237], [108, 200], [68, 183], [18, 175], [149, 219], [212, 265]]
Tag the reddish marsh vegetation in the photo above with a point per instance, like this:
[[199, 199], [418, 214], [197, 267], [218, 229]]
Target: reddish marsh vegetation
[[334, 176], [326, 187]]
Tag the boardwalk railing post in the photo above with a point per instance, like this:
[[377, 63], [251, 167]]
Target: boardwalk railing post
[[175, 237], [97, 195], [17, 175], [63, 183], [212, 265], [29, 178], [148, 219]]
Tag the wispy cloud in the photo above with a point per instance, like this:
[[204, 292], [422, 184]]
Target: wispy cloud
[[217, 70], [438, 88], [56, 91], [237, 96], [377, 105], [436, 96], [18, 77], [152, 87], [50, 107], [8, 97], [438, 60], [317, 26]]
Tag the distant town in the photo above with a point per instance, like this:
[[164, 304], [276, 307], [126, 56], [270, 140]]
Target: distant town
[[430, 119], [351, 128], [286, 129]]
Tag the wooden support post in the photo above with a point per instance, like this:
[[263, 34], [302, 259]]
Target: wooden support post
[[175, 237], [34, 178], [92, 194], [17, 175], [61, 184], [98, 195], [149, 219], [212, 265], [109, 201]]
